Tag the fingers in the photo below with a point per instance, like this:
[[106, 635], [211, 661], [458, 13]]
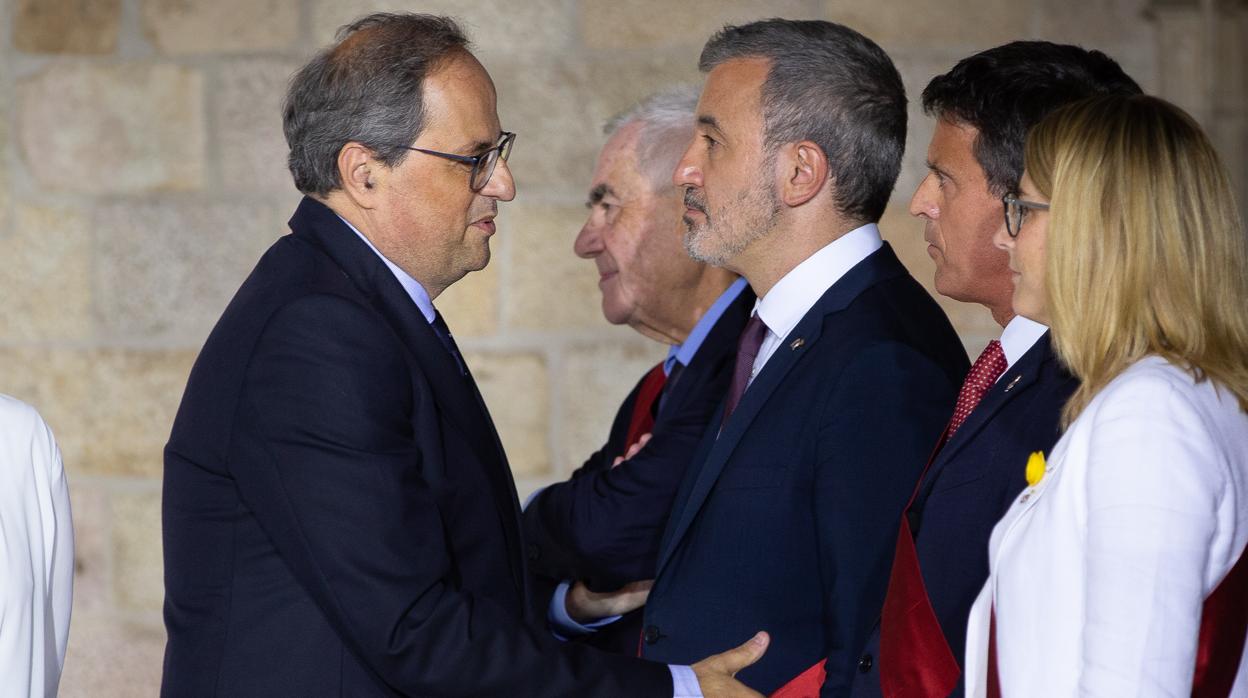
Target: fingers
[[632, 450], [740, 657]]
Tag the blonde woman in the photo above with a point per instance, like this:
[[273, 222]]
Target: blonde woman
[[1120, 570]]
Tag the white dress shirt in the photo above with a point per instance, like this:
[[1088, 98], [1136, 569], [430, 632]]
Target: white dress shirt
[[1019, 336], [797, 291], [36, 554], [1099, 572]]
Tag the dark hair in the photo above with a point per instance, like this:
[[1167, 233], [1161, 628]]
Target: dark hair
[[368, 87], [835, 87], [1006, 90]]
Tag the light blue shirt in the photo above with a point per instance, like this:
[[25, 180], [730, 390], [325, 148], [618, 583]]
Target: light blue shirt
[[684, 352], [417, 292]]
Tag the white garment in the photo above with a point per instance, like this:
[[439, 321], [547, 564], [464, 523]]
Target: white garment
[[36, 554], [1099, 571]]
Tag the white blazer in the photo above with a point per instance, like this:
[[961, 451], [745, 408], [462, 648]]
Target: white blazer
[[36, 555], [1099, 571]]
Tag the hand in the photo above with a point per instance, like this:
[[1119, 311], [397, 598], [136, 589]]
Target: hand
[[585, 606], [715, 673], [632, 450]]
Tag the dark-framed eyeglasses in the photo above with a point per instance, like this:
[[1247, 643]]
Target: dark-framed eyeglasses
[[1016, 212], [482, 165]]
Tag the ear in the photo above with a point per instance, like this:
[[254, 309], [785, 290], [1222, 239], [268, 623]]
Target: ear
[[804, 168], [359, 171]]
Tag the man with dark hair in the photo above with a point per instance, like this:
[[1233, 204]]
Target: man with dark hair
[[844, 373], [602, 525], [339, 517], [984, 108]]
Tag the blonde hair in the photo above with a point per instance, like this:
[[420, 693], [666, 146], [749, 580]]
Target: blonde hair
[[1145, 251]]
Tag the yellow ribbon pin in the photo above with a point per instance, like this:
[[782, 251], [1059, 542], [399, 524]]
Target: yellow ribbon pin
[[1035, 468]]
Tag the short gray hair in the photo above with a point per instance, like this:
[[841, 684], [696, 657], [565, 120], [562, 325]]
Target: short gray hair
[[368, 88], [835, 87], [667, 120]]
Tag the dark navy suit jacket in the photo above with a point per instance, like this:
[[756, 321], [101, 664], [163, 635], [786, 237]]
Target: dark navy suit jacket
[[339, 517], [969, 487], [603, 525], [787, 521]]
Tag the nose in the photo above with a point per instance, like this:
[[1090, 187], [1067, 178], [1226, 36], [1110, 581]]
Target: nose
[[688, 173], [923, 204], [501, 185], [1002, 239], [588, 243]]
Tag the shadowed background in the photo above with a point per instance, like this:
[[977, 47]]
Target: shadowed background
[[144, 173]]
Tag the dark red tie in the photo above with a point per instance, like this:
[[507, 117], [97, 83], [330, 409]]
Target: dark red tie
[[747, 351], [642, 421], [915, 659]]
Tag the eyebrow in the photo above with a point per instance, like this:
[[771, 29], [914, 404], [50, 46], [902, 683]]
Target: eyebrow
[[481, 146], [938, 170], [598, 193], [708, 120]]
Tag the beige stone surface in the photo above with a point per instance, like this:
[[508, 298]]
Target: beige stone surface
[[968, 24], [112, 657], [495, 27], [138, 567], [166, 270], [226, 26], [559, 134], [916, 72], [610, 24], [247, 110], [93, 547], [517, 392], [595, 379], [112, 128], [66, 26], [549, 287], [46, 285], [111, 409], [471, 305]]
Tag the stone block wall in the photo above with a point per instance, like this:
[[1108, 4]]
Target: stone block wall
[[143, 174]]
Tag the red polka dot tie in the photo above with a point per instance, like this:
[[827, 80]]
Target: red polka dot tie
[[987, 369]]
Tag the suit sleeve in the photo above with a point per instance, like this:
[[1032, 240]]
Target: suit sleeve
[[608, 522], [878, 428], [1153, 492], [337, 469]]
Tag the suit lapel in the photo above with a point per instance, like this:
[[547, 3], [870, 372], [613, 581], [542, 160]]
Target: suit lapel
[[1014, 382], [879, 266], [456, 395]]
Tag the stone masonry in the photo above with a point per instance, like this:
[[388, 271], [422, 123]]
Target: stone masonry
[[143, 174]]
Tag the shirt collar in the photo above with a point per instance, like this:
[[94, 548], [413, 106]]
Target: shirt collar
[[683, 353], [1020, 334], [413, 288], [797, 291]]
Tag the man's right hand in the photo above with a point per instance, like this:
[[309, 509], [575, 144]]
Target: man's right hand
[[715, 673]]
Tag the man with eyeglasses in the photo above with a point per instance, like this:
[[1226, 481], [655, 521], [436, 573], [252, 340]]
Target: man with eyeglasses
[[339, 517], [1011, 403]]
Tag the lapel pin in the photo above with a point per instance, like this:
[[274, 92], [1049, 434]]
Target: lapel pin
[[797, 344], [1013, 383]]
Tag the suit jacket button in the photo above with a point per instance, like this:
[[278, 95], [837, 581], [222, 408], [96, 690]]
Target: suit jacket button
[[533, 551], [864, 663], [652, 634]]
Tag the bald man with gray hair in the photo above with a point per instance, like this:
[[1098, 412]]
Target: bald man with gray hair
[[602, 526]]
